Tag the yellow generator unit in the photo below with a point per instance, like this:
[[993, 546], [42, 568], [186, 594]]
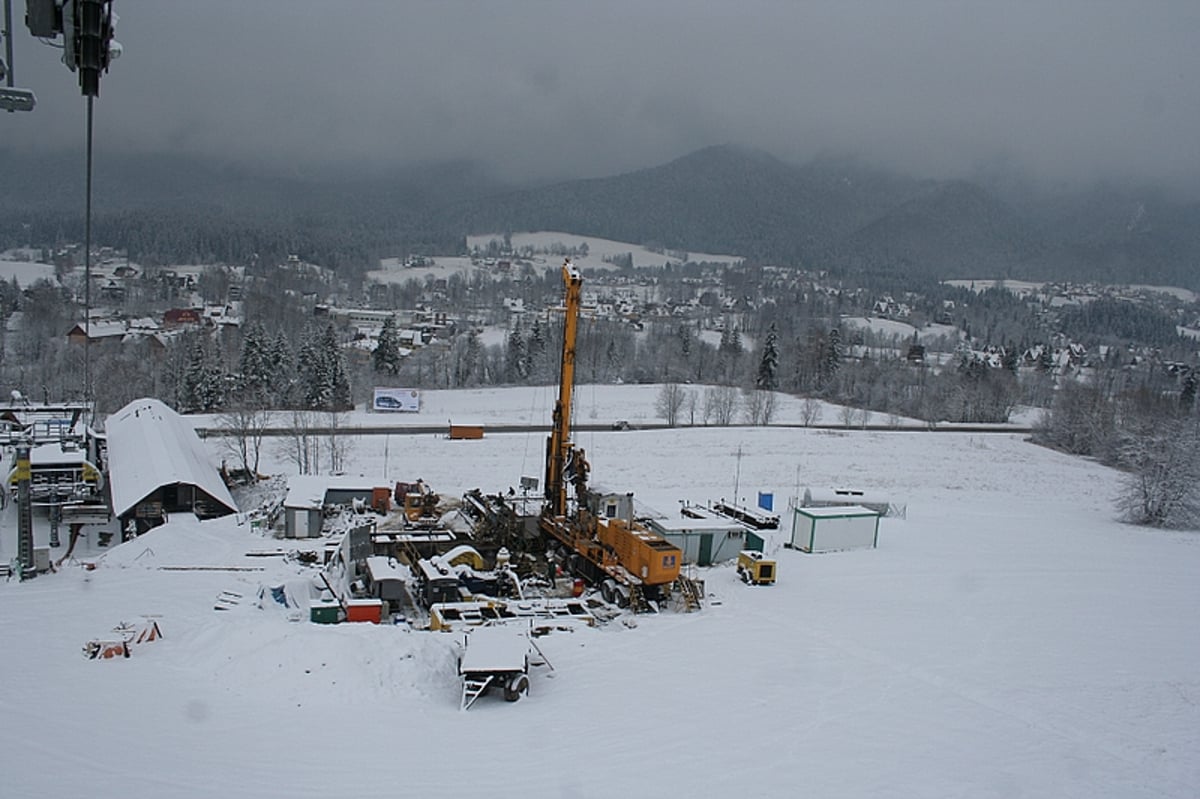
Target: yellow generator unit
[[754, 569]]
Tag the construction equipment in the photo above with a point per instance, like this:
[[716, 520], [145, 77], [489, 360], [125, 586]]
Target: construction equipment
[[754, 569], [418, 501], [498, 654], [598, 533]]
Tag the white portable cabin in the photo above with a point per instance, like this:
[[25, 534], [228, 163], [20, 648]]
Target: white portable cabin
[[834, 529], [705, 540]]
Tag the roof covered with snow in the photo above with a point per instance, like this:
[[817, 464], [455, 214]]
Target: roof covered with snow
[[837, 512], [686, 524], [308, 490], [150, 445]]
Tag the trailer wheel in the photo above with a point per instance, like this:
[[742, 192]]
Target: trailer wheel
[[517, 686], [606, 591]]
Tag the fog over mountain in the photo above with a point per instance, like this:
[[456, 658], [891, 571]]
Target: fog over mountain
[[1069, 91]]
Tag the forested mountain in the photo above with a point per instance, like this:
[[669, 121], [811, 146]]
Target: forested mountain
[[829, 214], [166, 209], [1118, 234], [720, 199]]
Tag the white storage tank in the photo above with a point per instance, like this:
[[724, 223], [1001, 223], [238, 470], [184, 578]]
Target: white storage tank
[[834, 529]]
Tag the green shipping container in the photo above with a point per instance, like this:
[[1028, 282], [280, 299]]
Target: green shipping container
[[755, 542], [325, 612]]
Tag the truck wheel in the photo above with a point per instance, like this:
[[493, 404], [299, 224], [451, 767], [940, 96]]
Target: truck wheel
[[517, 686]]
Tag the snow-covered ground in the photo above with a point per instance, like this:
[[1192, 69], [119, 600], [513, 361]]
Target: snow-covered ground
[[1019, 287], [393, 270], [1008, 638], [26, 272], [1184, 295], [1025, 287], [594, 405], [597, 249], [902, 332]]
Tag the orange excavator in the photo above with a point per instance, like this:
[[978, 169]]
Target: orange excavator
[[602, 540]]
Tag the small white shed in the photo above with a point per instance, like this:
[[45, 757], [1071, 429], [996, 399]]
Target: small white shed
[[834, 529], [303, 507]]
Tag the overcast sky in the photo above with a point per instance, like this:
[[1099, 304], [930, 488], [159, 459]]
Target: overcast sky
[[1060, 89]]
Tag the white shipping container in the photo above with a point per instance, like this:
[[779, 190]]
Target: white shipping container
[[834, 529]]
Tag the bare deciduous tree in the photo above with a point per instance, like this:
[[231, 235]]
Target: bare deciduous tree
[[300, 445], [671, 399], [337, 446], [720, 405], [759, 406], [1162, 487], [810, 411], [847, 415], [245, 426]]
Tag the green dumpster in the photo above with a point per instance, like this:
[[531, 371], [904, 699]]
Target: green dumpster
[[327, 612]]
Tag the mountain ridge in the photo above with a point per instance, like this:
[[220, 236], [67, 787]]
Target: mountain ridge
[[834, 214]]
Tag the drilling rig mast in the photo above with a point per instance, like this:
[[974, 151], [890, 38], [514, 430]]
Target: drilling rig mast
[[599, 535]]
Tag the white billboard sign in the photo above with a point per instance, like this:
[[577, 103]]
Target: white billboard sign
[[397, 399]]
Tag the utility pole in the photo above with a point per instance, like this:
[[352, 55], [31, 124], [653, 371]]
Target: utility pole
[[737, 476]]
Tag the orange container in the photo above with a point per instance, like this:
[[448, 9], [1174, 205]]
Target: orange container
[[364, 610], [381, 499]]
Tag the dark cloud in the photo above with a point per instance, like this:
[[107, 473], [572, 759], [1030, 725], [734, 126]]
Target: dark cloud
[[1063, 90]]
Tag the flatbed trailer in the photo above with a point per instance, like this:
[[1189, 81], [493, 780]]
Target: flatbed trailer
[[497, 655]]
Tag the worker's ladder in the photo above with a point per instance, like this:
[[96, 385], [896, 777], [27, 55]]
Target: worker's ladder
[[408, 552], [473, 688], [689, 593], [637, 600]]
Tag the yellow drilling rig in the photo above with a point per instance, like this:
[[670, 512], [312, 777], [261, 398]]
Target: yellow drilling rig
[[598, 534]]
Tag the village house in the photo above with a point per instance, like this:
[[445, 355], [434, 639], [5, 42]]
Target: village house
[[177, 318], [97, 331]]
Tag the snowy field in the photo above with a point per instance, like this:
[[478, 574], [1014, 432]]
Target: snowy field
[[902, 332], [1008, 638], [393, 270], [533, 405], [597, 249], [26, 272], [1024, 287], [1019, 287]]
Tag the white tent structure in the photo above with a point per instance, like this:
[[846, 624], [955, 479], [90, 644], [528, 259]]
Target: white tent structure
[[158, 465]]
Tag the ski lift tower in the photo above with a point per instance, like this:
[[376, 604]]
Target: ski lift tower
[[11, 98], [24, 512]]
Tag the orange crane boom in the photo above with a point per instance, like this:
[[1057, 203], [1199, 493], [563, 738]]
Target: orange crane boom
[[558, 447], [604, 547]]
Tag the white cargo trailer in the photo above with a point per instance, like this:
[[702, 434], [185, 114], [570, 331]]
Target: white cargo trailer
[[834, 529]]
